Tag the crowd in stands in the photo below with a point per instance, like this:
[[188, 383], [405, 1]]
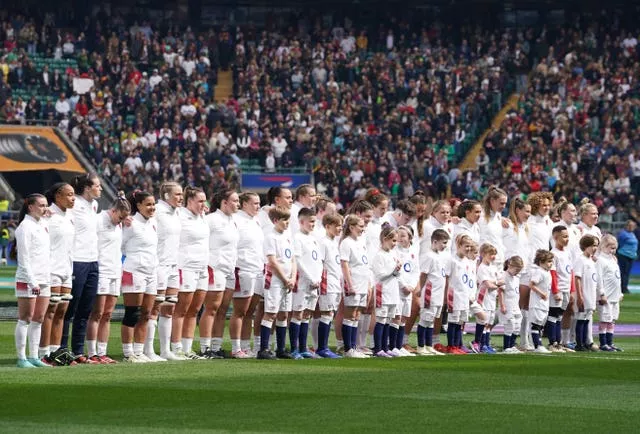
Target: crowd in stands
[[392, 105]]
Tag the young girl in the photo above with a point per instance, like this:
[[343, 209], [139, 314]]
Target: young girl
[[609, 271], [33, 276], [540, 284], [508, 297], [588, 290], [386, 269], [408, 285], [356, 279], [475, 308], [489, 281], [490, 224], [461, 277]]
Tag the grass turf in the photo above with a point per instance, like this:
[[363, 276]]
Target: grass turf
[[502, 393]]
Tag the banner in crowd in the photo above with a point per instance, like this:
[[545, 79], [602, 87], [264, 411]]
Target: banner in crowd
[[260, 182], [34, 148], [82, 85]]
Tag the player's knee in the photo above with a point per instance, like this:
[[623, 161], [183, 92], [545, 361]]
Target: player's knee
[[131, 316]]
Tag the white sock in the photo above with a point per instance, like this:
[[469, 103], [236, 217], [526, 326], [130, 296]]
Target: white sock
[[339, 343], [235, 345], [572, 330], [53, 348], [91, 348], [21, 339], [205, 344], [176, 346], [590, 332], [524, 329], [127, 350], [216, 344], [363, 330], [314, 331], [34, 330], [245, 345], [187, 343], [164, 334], [138, 348], [566, 333], [151, 337], [405, 338], [43, 351], [102, 348], [256, 342]]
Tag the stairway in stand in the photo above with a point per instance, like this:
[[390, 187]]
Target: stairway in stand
[[224, 88]]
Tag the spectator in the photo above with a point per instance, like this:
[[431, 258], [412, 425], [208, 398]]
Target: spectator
[[627, 252]]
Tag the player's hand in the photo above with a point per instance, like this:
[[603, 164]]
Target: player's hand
[[557, 296], [505, 223], [621, 297], [543, 296], [455, 220], [315, 285], [603, 300], [503, 310], [127, 221], [35, 290], [580, 304], [406, 290]]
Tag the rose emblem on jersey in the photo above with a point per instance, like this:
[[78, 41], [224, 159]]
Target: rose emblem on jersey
[[287, 253]]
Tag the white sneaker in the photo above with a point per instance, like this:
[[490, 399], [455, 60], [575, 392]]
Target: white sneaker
[[541, 350], [193, 356], [143, 358], [131, 359], [397, 353], [240, 355], [181, 355], [155, 358], [363, 355], [365, 350], [512, 350], [422, 351], [249, 352], [406, 353], [353, 354], [172, 357], [434, 352]]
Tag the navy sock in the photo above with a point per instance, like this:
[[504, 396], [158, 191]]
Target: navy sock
[[550, 330], [579, 327], [323, 335], [535, 336], [428, 337], [422, 335], [506, 341], [458, 335], [393, 335], [265, 334], [346, 336], [281, 338], [354, 335], [479, 333], [385, 336], [377, 337], [585, 332], [513, 340], [400, 337], [603, 339], [304, 333], [609, 338], [559, 330], [451, 335], [294, 334], [488, 340]]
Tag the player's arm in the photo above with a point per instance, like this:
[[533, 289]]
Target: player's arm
[[346, 276], [503, 307], [579, 294]]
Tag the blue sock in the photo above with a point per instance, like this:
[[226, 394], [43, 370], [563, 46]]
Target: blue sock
[[294, 333], [304, 333], [385, 337], [393, 335], [400, 337], [513, 340], [579, 327], [506, 341], [377, 337], [458, 335], [488, 339], [609, 338], [346, 336], [422, 335], [281, 338], [451, 335], [265, 334], [323, 335], [428, 339], [354, 335], [603, 339], [550, 329], [535, 336], [479, 333], [585, 332], [559, 330]]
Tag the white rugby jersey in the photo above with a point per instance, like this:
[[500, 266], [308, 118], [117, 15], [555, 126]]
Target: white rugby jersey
[[140, 245], [541, 278], [491, 232], [410, 271], [280, 246], [263, 218], [85, 221], [462, 283], [372, 234], [487, 273], [428, 226], [574, 239], [168, 233], [223, 241], [33, 244], [539, 234], [511, 294], [194, 241], [436, 266], [250, 243], [319, 231], [586, 230], [467, 228], [354, 253], [109, 246], [308, 260], [331, 265], [516, 243], [563, 266], [609, 270], [294, 223], [590, 281], [62, 238], [386, 284]]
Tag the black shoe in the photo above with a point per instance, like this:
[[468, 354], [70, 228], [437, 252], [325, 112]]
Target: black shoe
[[284, 354], [266, 355], [221, 354], [208, 354], [580, 349]]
